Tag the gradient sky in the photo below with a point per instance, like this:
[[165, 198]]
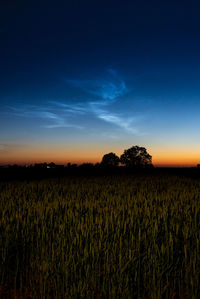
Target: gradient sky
[[79, 79]]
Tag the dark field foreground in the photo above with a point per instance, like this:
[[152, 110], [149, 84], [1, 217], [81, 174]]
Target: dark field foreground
[[114, 236]]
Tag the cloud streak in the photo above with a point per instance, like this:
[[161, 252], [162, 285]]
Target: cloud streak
[[104, 92], [121, 122], [107, 90], [107, 93], [56, 119]]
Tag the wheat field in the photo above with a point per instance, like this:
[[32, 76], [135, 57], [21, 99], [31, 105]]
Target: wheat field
[[116, 236]]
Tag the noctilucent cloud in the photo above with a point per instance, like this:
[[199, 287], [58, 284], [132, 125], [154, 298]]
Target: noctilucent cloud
[[81, 79]]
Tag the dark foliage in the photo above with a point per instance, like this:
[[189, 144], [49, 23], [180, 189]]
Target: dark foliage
[[136, 156], [110, 160]]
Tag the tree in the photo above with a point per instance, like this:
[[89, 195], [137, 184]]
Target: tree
[[136, 156], [110, 160]]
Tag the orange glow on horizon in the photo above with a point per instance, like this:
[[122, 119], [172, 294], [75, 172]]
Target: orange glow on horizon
[[93, 154], [176, 157]]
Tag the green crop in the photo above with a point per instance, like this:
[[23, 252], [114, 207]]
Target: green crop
[[100, 237]]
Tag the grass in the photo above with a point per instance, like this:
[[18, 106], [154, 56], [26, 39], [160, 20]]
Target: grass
[[100, 237]]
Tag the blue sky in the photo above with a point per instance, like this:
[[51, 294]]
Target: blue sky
[[78, 80]]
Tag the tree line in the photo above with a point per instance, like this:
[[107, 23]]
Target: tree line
[[133, 157]]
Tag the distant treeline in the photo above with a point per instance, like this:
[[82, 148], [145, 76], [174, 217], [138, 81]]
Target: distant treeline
[[134, 157], [67, 166]]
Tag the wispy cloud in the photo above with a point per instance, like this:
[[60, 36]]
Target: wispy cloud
[[105, 93], [54, 118], [107, 89], [100, 110], [122, 122], [71, 108]]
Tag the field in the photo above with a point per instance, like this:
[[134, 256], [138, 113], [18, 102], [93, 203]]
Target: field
[[114, 236]]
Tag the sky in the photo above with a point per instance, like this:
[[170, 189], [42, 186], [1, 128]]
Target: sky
[[79, 79]]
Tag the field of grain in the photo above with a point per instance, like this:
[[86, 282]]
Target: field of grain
[[100, 237]]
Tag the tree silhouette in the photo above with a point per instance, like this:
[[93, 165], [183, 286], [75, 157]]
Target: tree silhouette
[[110, 160], [136, 156]]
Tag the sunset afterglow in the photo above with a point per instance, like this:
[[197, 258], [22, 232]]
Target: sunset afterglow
[[90, 82]]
